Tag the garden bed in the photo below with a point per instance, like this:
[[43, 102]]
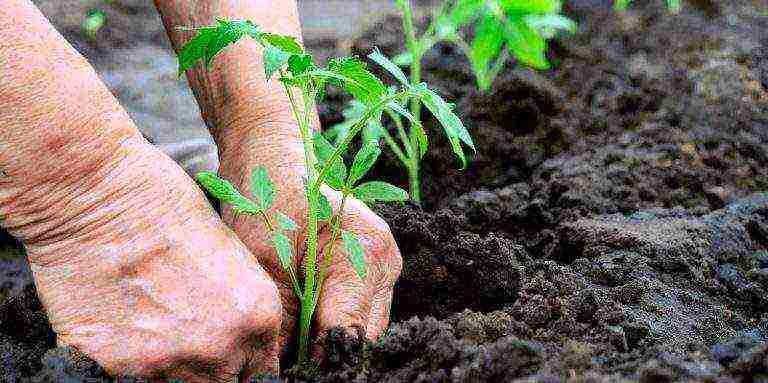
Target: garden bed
[[611, 227]]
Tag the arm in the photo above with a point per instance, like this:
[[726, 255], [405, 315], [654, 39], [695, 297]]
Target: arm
[[249, 119], [58, 122], [234, 96]]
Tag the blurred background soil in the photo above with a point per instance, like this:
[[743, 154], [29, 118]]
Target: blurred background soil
[[612, 227]]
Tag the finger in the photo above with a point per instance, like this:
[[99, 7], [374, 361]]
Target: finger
[[345, 301], [388, 272], [378, 320], [349, 301]]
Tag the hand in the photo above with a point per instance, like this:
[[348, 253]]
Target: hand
[[148, 281], [345, 299], [251, 120]]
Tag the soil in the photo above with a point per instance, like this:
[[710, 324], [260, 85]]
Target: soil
[[612, 227]]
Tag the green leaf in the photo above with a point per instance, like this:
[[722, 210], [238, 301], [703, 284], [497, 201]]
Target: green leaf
[[226, 192], [94, 21], [210, 41], [364, 160], [300, 63], [418, 128], [262, 188], [285, 222], [486, 47], [403, 59], [287, 44], [621, 5], [547, 25], [274, 60], [377, 57], [421, 138], [379, 191], [363, 86], [337, 172], [353, 112], [373, 129], [526, 44], [228, 32], [464, 11], [522, 7], [325, 211], [355, 253], [452, 125], [195, 49], [284, 249]]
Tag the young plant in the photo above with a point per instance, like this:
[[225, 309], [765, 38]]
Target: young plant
[[502, 29], [305, 82]]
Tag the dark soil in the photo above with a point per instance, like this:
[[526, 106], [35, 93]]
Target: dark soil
[[611, 228]]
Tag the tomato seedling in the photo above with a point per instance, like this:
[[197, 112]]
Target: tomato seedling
[[304, 82], [502, 29]]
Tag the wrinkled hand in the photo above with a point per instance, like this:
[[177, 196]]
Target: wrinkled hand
[[146, 279], [345, 299]]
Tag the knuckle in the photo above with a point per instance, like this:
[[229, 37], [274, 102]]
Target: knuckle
[[386, 256]]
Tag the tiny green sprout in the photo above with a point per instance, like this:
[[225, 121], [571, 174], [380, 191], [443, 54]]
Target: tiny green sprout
[[674, 5], [503, 29], [93, 22], [304, 82]]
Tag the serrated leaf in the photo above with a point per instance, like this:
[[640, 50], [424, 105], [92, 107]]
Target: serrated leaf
[[194, 50], [355, 253], [287, 44], [282, 245], [486, 47], [228, 32], [274, 60], [379, 191], [418, 128], [210, 41], [452, 125], [325, 211], [363, 162], [377, 57], [285, 222], [262, 188], [421, 138], [373, 129], [363, 86], [526, 44], [226, 192], [337, 173], [299, 63]]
